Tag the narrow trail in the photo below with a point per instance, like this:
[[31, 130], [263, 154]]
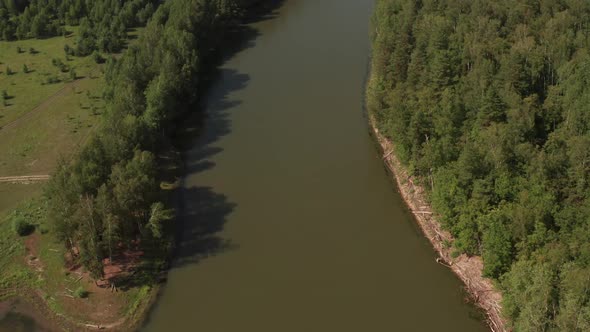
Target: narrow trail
[[41, 107], [24, 178]]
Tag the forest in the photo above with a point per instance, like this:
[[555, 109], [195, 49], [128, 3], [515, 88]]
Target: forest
[[103, 24], [488, 103], [107, 198]]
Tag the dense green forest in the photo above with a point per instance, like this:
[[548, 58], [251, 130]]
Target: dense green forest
[[103, 24], [488, 103], [108, 197]]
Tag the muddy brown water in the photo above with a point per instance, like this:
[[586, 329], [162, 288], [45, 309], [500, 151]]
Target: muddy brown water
[[290, 220]]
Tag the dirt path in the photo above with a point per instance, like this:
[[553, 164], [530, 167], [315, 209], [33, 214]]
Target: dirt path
[[468, 269], [41, 107], [24, 178]]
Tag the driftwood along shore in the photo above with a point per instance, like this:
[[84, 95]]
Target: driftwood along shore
[[468, 269]]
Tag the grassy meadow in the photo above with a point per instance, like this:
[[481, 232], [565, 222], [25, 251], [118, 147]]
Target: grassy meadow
[[48, 114]]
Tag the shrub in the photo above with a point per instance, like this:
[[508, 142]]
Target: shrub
[[22, 226], [59, 64], [25, 69], [97, 57], [80, 293], [43, 229], [9, 71], [68, 50], [52, 79], [19, 50]]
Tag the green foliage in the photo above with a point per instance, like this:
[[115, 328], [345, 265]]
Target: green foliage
[[27, 216], [97, 57], [158, 215], [106, 20], [108, 196], [59, 64], [81, 293], [52, 79], [489, 104], [532, 297], [497, 247], [21, 226], [68, 50]]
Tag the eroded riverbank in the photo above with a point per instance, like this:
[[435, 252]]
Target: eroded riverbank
[[468, 269]]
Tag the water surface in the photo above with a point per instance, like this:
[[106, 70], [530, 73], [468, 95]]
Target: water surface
[[290, 220]]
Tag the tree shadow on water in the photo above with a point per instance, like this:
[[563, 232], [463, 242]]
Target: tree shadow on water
[[210, 120], [204, 213]]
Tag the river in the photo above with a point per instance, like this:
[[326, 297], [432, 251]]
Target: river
[[290, 220]]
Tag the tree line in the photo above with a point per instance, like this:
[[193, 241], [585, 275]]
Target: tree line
[[488, 103], [108, 198], [102, 24]]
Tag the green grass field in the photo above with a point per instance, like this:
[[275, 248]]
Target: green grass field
[[41, 122], [28, 90]]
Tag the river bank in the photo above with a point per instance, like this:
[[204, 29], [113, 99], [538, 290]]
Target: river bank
[[123, 307], [469, 269], [281, 235]]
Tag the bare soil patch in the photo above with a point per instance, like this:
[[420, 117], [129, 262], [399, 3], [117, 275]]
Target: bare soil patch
[[24, 179], [32, 249]]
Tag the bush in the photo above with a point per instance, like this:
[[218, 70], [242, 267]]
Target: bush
[[80, 293], [59, 64], [22, 226], [97, 57], [43, 229], [52, 79], [68, 50]]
